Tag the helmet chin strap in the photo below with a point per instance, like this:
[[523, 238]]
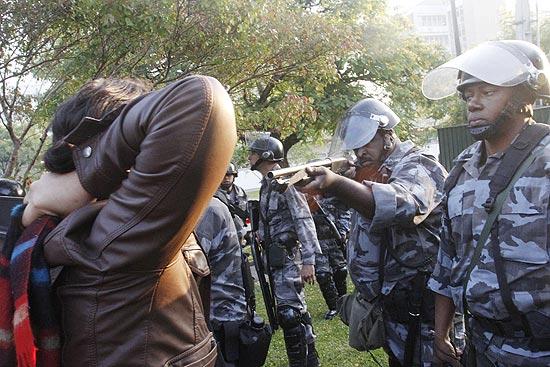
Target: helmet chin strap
[[492, 129], [255, 166]]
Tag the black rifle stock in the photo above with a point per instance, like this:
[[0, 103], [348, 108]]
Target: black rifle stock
[[258, 251]]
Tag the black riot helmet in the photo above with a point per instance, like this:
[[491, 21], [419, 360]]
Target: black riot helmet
[[11, 188], [505, 63], [231, 170], [269, 149], [360, 124]]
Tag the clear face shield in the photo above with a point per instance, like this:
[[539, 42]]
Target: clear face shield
[[491, 62], [353, 132]]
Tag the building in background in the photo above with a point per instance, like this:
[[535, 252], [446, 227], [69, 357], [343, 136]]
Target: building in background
[[477, 21]]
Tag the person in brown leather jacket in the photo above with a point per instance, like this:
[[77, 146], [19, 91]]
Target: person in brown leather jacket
[[143, 175]]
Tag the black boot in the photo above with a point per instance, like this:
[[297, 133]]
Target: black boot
[[340, 281], [312, 356], [328, 290], [296, 346]]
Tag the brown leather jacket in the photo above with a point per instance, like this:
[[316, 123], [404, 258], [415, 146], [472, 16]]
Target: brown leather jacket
[[128, 297]]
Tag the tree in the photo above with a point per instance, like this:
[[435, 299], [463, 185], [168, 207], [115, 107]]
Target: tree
[[292, 67]]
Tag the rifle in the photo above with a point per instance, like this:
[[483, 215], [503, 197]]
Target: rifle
[[282, 178], [266, 286]]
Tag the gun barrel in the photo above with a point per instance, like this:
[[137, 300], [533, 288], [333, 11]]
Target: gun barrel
[[328, 162]]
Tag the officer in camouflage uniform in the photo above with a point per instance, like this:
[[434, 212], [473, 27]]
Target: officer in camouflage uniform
[[287, 227], [217, 236], [332, 220], [393, 243], [507, 288], [236, 196]]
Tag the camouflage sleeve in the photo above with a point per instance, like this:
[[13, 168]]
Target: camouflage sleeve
[[412, 192], [304, 225], [208, 230], [441, 276]]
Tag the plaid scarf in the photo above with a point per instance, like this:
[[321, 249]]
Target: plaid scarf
[[29, 330]]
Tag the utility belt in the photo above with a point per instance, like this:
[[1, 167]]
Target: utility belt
[[282, 246], [512, 329]]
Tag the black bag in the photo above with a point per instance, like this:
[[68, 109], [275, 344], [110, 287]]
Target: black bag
[[255, 337], [245, 343]]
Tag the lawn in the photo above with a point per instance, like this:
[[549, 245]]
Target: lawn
[[332, 338]]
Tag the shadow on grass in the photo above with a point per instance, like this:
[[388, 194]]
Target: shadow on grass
[[332, 337]]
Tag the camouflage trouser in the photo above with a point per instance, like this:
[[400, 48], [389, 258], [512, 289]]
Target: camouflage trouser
[[396, 337], [289, 288], [331, 259]]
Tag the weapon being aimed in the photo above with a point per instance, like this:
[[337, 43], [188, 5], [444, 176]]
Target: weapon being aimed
[[285, 177], [258, 254]]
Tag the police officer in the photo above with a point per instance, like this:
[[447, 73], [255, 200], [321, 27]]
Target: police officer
[[286, 226], [330, 266], [236, 197], [218, 238], [393, 242], [499, 273]]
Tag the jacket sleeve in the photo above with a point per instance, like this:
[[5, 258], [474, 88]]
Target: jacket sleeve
[[158, 164], [413, 191]]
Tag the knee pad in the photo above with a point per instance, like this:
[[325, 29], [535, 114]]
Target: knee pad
[[341, 273], [289, 317], [323, 278]]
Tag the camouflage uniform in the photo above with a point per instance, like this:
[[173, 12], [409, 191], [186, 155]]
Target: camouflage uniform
[[523, 228], [238, 198], [330, 266], [218, 238], [288, 215], [407, 218]]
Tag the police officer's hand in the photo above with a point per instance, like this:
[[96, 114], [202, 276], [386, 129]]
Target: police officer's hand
[[308, 274], [445, 354], [54, 194], [322, 180]]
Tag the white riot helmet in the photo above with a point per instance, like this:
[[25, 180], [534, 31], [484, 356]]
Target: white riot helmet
[[360, 124], [502, 63]]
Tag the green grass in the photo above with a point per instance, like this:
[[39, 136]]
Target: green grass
[[332, 337]]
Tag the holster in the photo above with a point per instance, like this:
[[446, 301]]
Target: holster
[[282, 245]]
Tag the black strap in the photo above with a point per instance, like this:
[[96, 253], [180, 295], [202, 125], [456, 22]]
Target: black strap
[[415, 316], [503, 285], [231, 330], [520, 149]]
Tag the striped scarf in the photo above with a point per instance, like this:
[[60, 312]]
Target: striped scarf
[[29, 330]]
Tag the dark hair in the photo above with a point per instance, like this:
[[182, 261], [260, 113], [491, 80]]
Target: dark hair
[[95, 99]]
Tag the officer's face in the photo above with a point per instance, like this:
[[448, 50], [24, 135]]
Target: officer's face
[[485, 103], [227, 181], [253, 158], [371, 154]]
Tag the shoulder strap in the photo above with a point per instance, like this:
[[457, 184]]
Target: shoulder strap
[[493, 214], [520, 149]]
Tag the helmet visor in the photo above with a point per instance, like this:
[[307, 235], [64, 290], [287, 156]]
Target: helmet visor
[[352, 132], [490, 62]]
